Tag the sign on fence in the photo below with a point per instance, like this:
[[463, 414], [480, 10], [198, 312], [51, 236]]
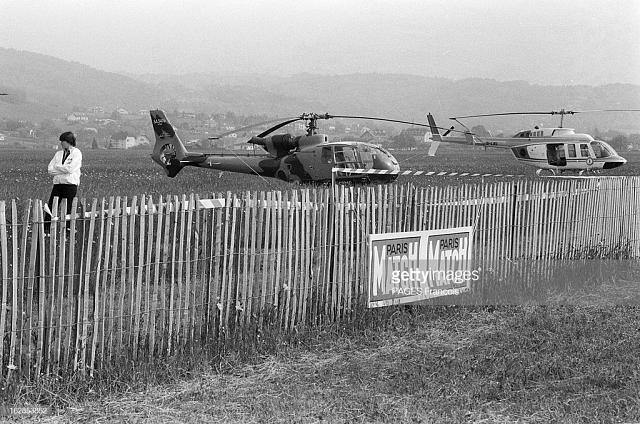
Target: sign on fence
[[417, 265]]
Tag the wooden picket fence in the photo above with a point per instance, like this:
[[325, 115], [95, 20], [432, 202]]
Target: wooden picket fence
[[142, 278]]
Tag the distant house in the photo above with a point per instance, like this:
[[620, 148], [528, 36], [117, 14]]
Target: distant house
[[117, 144], [128, 142], [122, 111], [416, 132], [77, 117], [105, 121], [188, 115], [373, 136]]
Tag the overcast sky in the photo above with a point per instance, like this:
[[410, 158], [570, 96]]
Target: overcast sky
[[540, 41]]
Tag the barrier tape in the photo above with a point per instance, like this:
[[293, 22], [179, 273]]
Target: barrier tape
[[426, 173]]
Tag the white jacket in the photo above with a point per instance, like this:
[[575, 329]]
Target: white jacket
[[69, 172]]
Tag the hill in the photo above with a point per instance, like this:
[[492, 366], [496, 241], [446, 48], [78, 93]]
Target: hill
[[43, 85]]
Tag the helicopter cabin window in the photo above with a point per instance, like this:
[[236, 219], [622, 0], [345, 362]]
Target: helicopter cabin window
[[346, 157], [571, 150], [555, 155], [584, 150], [327, 156]]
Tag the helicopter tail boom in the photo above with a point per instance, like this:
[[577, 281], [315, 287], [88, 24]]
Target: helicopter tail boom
[[168, 152], [436, 138]]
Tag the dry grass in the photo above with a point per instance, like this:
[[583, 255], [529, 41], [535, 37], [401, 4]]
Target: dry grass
[[417, 364]]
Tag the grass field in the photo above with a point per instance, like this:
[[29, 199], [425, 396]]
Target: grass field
[[557, 363], [128, 173]]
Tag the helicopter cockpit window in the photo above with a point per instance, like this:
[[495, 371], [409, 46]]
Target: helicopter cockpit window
[[346, 157], [600, 149], [571, 148]]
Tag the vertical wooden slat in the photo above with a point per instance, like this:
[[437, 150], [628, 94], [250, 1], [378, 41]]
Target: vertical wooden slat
[[24, 280], [296, 282], [267, 229], [243, 277], [225, 253], [137, 299], [39, 228], [310, 276], [30, 287], [98, 312], [256, 237], [301, 249], [113, 306], [130, 289], [340, 277], [197, 301], [51, 277], [215, 295], [4, 259], [15, 295], [323, 266], [172, 280], [201, 269], [229, 297], [278, 248], [151, 212], [106, 271], [184, 259], [155, 282], [289, 207], [124, 245], [41, 274], [348, 251], [189, 277], [59, 296], [82, 336], [167, 242]]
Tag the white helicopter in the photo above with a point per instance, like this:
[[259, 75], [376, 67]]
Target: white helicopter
[[556, 150]]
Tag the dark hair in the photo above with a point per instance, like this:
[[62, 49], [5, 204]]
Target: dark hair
[[69, 137]]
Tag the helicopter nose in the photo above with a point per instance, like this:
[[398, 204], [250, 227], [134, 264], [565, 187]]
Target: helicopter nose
[[614, 163]]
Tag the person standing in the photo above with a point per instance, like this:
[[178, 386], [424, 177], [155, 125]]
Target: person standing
[[65, 169]]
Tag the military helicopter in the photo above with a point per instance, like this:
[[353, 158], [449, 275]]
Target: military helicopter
[[305, 158], [553, 150]]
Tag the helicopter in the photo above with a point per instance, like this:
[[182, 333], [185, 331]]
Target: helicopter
[[553, 150], [305, 158]]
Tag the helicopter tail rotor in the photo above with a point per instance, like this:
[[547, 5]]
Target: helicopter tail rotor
[[169, 152]]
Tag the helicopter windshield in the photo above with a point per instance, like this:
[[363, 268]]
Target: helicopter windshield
[[601, 149]]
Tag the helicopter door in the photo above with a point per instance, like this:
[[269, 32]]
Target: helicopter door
[[346, 157], [556, 155]]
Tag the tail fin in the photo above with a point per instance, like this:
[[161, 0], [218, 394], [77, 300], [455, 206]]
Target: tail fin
[[435, 136], [168, 150]]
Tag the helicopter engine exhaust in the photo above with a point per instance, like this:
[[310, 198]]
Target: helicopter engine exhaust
[[278, 145]]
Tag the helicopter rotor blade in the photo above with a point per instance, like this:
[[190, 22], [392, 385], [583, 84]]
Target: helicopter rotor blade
[[280, 125], [507, 113], [553, 112], [291, 119], [391, 120]]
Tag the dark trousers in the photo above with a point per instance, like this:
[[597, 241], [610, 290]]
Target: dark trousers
[[61, 191]]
